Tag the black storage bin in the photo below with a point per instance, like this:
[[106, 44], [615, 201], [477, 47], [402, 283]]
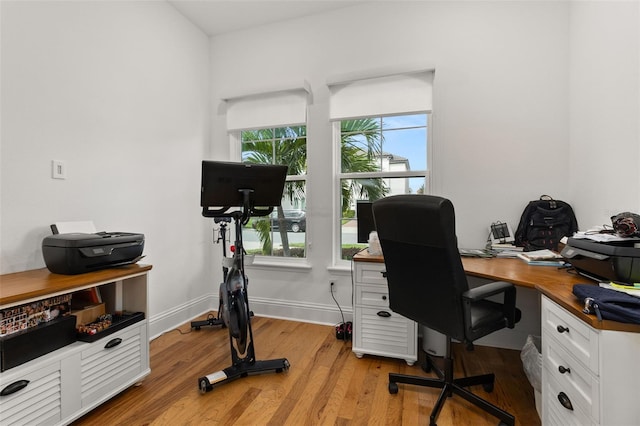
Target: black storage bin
[[23, 346]]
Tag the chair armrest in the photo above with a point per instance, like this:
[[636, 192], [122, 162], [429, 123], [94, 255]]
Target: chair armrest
[[486, 290], [491, 289]]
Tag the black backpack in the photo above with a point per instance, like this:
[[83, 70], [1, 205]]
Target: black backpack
[[543, 223]]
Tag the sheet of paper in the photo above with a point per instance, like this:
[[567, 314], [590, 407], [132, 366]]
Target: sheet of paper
[[86, 227], [601, 238]]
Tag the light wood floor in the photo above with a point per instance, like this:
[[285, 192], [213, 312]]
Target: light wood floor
[[326, 384]]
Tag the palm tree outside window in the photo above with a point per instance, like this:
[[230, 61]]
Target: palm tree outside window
[[379, 156]]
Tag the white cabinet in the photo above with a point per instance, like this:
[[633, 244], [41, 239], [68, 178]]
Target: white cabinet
[[589, 376], [109, 363], [39, 401], [61, 386], [377, 330]]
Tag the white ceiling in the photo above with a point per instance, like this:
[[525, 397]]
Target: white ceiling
[[216, 17]]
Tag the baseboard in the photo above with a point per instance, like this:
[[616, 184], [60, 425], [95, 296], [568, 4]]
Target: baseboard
[[304, 312], [282, 309], [168, 320]]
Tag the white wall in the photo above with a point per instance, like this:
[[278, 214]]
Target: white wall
[[500, 122], [605, 110], [120, 92], [128, 94]]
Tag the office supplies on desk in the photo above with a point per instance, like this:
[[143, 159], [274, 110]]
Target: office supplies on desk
[[632, 290], [475, 253], [543, 257], [501, 233]]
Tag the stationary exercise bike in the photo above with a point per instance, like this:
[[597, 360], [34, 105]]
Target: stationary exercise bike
[[229, 181]]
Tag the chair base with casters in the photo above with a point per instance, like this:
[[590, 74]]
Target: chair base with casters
[[452, 386]]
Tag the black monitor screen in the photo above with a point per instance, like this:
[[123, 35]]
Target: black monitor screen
[[364, 215], [222, 182]]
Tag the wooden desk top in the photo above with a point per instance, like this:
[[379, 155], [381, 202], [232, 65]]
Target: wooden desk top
[[556, 284], [21, 287]]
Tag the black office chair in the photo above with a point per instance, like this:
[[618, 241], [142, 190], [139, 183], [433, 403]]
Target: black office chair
[[427, 284]]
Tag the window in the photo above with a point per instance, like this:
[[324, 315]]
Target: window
[[381, 130], [283, 233], [379, 156]]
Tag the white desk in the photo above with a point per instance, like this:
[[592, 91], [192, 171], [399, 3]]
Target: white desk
[[603, 356]]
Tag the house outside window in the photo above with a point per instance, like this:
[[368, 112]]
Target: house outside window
[[283, 233], [379, 156]]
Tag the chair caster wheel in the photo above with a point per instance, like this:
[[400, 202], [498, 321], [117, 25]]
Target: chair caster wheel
[[197, 328], [393, 388], [488, 387]]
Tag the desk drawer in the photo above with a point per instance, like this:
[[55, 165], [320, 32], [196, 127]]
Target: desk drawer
[[576, 380], [371, 273], [108, 365], [554, 413], [576, 337], [39, 402], [373, 296], [392, 335]]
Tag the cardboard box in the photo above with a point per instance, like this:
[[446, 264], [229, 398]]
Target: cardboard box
[[89, 314]]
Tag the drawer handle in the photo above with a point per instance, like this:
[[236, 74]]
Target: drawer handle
[[562, 369], [562, 329], [384, 314], [384, 297], [14, 387], [113, 343], [384, 274], [565, 401]]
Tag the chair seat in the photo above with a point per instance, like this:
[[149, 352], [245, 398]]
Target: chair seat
[[487, 316]]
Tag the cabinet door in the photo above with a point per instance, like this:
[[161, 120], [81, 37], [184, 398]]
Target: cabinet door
[[39, 402], [112, 362], [392, 335]]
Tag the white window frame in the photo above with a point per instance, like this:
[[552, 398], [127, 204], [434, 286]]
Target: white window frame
[[262, 261], [338, 262]]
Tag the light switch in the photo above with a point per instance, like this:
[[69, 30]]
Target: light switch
[[58, 169]]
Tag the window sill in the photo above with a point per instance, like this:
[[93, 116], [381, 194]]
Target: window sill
[[279, 263]]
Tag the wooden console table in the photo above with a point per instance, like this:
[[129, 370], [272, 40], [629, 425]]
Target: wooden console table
[[62, 385]]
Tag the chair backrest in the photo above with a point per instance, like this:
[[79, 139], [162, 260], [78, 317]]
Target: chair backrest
[[424, 270]]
